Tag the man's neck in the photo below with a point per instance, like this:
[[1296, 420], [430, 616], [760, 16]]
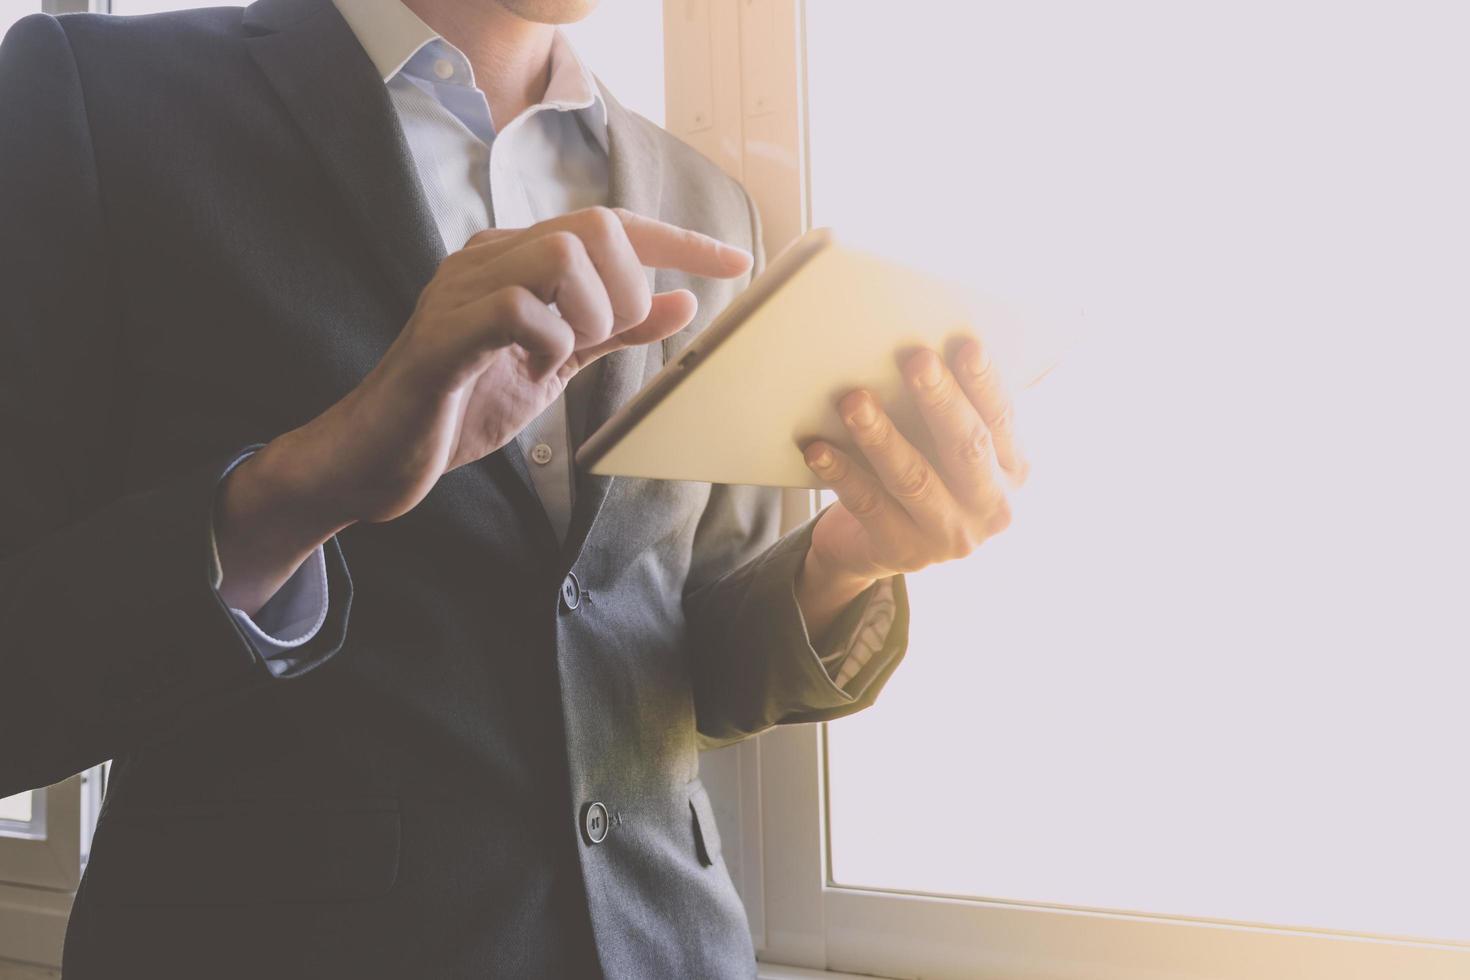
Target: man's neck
[[511, 57]]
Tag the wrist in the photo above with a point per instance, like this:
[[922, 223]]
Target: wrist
[[290, 481], [823, 574], [272, 512], [823, 591]]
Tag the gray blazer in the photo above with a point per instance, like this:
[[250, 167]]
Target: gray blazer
[[494, 772]]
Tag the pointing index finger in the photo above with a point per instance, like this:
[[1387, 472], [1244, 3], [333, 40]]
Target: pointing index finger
[[665, 246]]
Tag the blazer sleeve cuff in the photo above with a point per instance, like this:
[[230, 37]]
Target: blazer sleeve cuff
[[185, 650], [799, 684], [859, 632], [282, 630]]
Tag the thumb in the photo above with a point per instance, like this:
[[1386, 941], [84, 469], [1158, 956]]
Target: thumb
[[670, 313]]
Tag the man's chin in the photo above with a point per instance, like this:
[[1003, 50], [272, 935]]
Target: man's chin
[[550, 11]]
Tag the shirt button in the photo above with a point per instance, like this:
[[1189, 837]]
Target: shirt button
[[594, 823], [541, 453], [444, 68], [571, 592]]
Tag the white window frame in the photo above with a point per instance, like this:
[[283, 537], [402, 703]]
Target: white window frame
[[35, 826], [40, 866], [46, 852], [735, 83]]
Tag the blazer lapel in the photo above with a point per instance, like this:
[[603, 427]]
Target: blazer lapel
[[339, 102], [635, 182], [341, 105], [330, 87]]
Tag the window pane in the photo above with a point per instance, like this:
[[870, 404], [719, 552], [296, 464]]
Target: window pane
[[1218, 665], [13, 10], [17, 808]]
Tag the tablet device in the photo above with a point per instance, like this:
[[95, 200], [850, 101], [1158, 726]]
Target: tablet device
[[741, 400]]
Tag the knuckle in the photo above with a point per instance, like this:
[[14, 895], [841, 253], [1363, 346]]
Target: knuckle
[[602, 223], [914, 482], [974, 448], [865, 502], [564, 248], [971, 538], [999, 518], [909, 559], [452, 265], [958, 543], [514, 303]]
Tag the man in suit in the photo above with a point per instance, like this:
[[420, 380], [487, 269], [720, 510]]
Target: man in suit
[[290, 528]]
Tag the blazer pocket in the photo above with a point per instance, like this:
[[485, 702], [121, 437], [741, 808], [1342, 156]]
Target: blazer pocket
[[247, 853], [706, 831]]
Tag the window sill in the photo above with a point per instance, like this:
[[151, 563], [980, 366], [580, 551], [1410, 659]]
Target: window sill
[[775, 971]]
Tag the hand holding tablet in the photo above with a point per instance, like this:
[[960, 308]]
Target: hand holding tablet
[[765, 380]]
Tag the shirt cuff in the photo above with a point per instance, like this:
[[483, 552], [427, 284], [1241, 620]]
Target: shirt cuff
[[860, 632], [292, 617]]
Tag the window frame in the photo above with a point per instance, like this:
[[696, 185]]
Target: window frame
[[896, 934], [736, 90], [35, 826], [40, 867], [46, 852]]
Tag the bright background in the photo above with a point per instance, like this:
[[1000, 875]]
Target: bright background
[[622, 43], [13, 10], [1219, 665], [16, 807]]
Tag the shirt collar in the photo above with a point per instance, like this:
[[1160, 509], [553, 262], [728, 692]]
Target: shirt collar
[[391, 34]]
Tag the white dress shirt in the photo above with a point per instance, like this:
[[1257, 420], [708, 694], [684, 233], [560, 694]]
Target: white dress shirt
[[550, 159]]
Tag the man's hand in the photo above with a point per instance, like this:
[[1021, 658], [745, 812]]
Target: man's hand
[[484, 353], [899, 511]]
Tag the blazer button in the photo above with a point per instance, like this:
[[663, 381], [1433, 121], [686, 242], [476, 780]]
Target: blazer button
[[571, 592], [594, 823]]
